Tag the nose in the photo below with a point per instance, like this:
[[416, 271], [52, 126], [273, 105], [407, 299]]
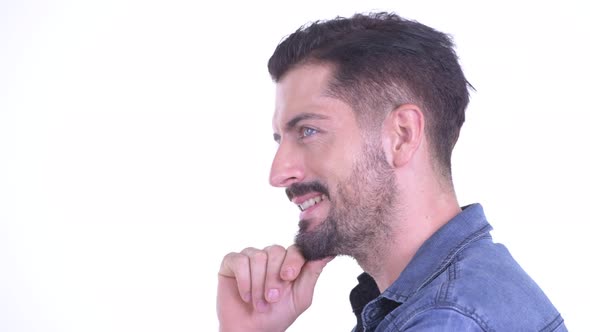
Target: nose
[[287, 167]]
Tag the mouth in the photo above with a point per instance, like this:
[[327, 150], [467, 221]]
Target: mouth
[[312, 199], [314, 209], [311, 202]]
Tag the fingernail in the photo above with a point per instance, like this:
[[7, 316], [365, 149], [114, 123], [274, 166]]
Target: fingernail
[[247, 297], [273, 295], [261, 306]]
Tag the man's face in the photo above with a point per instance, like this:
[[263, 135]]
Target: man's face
[[338, 178]]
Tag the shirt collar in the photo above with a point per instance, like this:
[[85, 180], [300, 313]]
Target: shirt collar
[[438, 251]]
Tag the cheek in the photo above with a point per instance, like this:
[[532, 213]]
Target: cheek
[[334, 169], [330, 159]]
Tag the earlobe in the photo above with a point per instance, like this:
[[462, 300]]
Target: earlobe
[[402, 133]]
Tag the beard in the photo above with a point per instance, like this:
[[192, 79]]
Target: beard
[[360, 209]]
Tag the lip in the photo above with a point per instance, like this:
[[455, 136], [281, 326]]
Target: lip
[[309, 212], [315, 213], [300, 199]]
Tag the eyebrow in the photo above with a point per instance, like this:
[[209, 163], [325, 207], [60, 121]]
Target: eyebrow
[[298, 118], [304, 116]]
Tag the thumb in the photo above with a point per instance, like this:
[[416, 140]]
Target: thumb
[[305, 284]]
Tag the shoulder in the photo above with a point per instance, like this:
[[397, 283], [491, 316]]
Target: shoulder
[[485, 283], [482, 289]]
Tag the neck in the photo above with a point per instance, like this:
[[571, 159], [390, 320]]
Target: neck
[[410, 227]]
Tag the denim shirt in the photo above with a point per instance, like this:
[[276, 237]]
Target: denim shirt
[[459, 280]]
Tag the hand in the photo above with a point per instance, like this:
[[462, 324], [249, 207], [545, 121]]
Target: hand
[[265, 290]]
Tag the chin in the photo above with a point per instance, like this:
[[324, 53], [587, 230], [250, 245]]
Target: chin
[[311, 255], [317, 241]]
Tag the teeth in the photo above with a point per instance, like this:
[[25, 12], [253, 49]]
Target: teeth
[[311, 202]]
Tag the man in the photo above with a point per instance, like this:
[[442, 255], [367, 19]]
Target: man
[[368, 110]]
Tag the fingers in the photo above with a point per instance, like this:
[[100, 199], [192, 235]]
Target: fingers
[[292, 264], [257, 274], [262, 276], [237, 266], [257, 259], [273, 283]]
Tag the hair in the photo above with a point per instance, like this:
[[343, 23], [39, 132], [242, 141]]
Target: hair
[[381, 61]]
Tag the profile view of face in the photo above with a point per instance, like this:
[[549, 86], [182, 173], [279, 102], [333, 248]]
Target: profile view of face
[[338, 179]]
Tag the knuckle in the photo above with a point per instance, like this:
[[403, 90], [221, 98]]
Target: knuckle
[[227, 257], [259, 256], [248, 251], [230, 258], [240, 259], [275, 249], [234, 264], [235, 259]]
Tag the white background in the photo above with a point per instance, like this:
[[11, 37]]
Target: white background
[[136, 140]]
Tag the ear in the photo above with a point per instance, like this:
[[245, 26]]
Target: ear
[[402, 133]]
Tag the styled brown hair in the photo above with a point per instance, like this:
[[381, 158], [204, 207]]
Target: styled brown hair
[[380, 62]]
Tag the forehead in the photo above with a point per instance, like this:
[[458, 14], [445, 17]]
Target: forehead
[[304, 90]]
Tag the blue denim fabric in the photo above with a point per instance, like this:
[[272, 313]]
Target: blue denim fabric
[[460, 280]]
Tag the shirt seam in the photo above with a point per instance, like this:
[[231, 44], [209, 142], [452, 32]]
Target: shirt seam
[[438, 306], [481, 233], [553, 325]]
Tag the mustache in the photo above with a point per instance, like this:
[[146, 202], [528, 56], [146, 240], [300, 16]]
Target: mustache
[[299, 189]]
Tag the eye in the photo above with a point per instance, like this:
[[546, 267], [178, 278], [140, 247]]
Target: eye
[[306, 131]]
